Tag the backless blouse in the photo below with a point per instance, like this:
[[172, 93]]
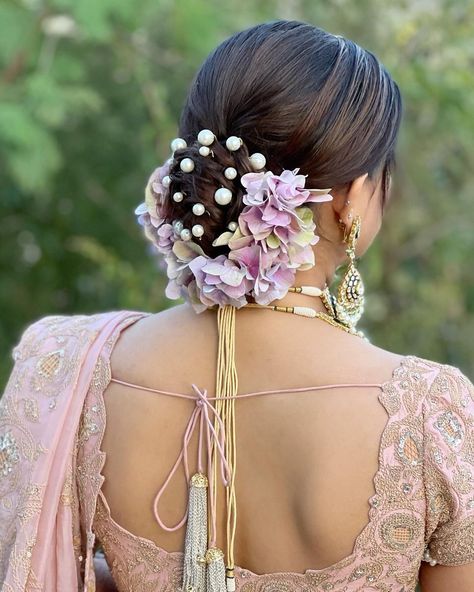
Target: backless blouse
[[422, 508]]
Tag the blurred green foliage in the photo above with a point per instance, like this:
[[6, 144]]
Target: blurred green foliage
[[90, 95]]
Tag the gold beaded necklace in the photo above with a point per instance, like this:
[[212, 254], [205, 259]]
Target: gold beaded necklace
[[306, 311]]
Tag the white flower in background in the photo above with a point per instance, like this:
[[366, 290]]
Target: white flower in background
[[59, 25]]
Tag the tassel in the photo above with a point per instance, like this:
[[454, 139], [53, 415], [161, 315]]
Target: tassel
[[215, 577], [194, 572]]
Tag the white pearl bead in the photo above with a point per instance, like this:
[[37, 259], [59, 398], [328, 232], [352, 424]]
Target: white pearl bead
[[185, 234], [178, 144], [257, 161], [230, 173], [186, 165], [198, 230], [232, 226], [178, 226], [166, 181], [198, 209], [223, 196], [178, 196], [233, 143], [204, 151], [206, 137]]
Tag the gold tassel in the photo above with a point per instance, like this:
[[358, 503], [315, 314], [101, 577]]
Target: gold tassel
[[215, 575], [194, 568]]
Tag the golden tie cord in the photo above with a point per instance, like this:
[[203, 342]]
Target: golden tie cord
[[226, 390]]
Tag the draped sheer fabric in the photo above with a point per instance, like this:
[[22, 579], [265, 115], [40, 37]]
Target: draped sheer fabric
[[53, 513]]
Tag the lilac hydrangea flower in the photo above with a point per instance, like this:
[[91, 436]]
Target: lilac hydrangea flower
[[273, 240], [220, 281]]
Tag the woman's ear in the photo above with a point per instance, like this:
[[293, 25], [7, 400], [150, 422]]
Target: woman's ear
[[354, 202]]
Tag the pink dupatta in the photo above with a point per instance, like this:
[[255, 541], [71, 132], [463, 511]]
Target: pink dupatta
[[43, 543]]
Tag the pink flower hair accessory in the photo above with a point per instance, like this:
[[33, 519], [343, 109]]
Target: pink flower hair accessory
[[271, 239]]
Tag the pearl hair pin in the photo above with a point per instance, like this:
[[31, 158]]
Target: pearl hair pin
[[257, 161], [223, 196], [230, 173], [178, 196], [198, 230], [206, 137], [178, 144], [187, 165], [166, 181], [185, 234], [232, 226], [233, 143], [198, 209], [177, 226], [204, 151]]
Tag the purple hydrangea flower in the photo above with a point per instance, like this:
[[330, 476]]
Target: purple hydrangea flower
[[273, 239], [220, 281]]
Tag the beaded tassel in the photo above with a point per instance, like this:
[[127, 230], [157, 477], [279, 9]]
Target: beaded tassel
[[194, 569], [215, 575]]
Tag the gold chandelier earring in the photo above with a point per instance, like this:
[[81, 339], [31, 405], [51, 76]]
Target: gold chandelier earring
[[347, 307]]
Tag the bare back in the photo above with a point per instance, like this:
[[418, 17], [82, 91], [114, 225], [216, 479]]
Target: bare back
[[306, 460]]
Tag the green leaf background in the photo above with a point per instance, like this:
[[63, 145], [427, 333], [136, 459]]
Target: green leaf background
[[87, 111]]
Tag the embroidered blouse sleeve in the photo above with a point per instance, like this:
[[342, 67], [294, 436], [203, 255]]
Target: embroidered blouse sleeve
[[449, 467]]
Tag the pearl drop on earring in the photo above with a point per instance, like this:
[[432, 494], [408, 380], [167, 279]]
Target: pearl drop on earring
[[198, 230], [166, 181], [185, 234], [206, 137], [232, 226], [204, 151], [230, 173], [257, 161], [233, 143], [198, 209], [187, 165], [223, 196], [178, 196], [178, 144]]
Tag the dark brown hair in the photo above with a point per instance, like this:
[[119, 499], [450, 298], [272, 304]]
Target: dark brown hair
[[303, 97]]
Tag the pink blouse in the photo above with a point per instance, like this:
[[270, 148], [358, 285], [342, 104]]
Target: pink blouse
[[423, 507]]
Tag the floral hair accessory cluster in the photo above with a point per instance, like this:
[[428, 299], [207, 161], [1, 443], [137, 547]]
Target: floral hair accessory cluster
[[271, 239]]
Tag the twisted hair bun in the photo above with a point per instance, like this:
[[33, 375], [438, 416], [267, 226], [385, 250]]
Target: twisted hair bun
[[199, 186]]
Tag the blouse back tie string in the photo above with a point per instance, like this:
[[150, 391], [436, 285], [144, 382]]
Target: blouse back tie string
[[204, 566], [204, 413]]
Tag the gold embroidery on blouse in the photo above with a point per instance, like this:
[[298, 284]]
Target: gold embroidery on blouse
[[30, 502], [404, 490], [51, 372], [9, 453], [450, 427], [50, 364], [31, 409]]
